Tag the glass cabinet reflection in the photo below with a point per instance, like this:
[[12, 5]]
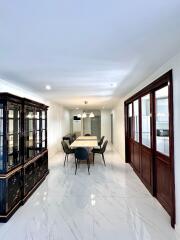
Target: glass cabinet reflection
[[29, 133], [10, 135], [13, 132], [23, 131], [35, 131], [38, 131], [44, 132]]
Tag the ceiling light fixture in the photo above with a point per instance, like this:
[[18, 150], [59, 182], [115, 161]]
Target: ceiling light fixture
[[91, 115], [113, 85], [84, 115], [48, 87]]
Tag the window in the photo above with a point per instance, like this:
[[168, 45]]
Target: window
[[146, 120], [136, 120], [162, 120]]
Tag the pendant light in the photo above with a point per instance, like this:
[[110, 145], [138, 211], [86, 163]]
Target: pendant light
[[91, 115], [84, 115]]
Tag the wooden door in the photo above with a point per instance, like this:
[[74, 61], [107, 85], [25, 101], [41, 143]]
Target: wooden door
[[163, 164], [129, 133], [146, 141], [151, 151]]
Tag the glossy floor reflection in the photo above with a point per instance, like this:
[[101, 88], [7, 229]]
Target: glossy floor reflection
[[111, 203]]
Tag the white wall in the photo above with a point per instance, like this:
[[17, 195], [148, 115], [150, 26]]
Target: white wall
[[76, 126], [86, 125], [174, 64], [58, 126], [118, 129], [106, 124], [58, 117]]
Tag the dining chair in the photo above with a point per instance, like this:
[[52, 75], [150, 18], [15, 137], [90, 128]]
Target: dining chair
[[87, 134], [100, 151], [101, 141], [74, 136], [81, 154], [67, 150]]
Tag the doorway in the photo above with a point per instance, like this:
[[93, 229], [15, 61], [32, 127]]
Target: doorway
[[112, 128], [96, 126]]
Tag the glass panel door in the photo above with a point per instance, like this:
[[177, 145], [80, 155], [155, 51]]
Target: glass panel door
[[146, 120], [136, 120], [1, 137], [162, 120], [13, 132], [130, 121]]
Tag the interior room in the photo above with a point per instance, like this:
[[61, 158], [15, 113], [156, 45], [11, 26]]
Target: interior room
[[89, 120]]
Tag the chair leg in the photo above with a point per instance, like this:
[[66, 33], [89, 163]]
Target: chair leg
[[93, 158], [67, 157], [75, 166], [103, 159], [88, 164], [65, 160]]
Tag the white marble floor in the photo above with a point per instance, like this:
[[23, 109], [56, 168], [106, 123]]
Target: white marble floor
[[109, 204]]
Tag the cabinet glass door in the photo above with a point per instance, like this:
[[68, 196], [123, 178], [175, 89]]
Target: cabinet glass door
[[13, 134], [29, 129], [1, 137], [44, 134], [37, 132]]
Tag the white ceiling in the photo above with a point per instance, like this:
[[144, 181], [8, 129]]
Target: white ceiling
[[93, 50]]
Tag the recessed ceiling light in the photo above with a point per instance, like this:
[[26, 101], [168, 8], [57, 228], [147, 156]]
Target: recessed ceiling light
[[48, 87], [113, 84]]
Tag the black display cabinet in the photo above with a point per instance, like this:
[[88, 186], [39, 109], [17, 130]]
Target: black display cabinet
[[23, 151]]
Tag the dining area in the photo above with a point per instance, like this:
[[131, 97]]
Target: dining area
[[84, 150]]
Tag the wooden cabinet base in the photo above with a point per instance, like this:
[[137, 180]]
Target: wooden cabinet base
[[34, 188], [4, 218]]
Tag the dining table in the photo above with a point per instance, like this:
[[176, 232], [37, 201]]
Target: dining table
[[85, 141]]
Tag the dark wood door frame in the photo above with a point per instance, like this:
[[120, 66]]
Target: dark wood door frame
[[164, 80]]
